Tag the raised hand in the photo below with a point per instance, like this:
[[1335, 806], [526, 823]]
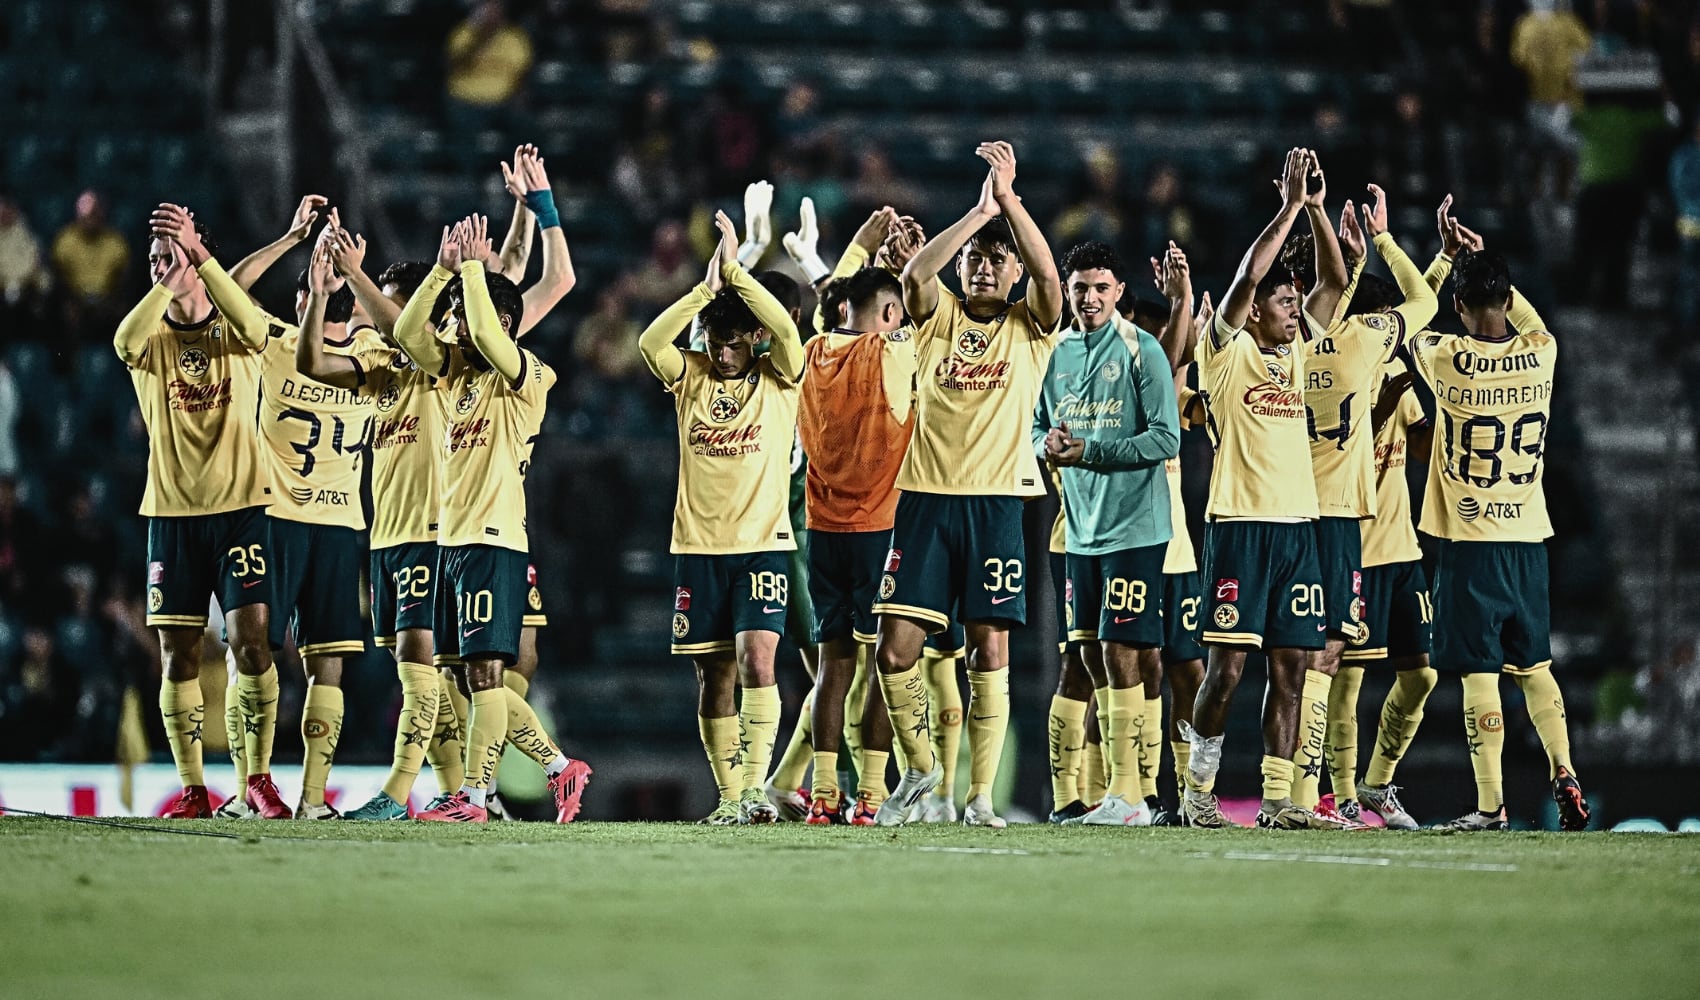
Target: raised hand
[[988, 203], [806, 239], [347, 252], [1201, 319], [322, 278], [728, 237], [176, 223], [1351, 235], [872, 233], [475, 241], [306, 214], [1471, 239], [513, 178], [1314, 199], [1000, 156], [532, 174], [1176, 274], [758, 204], [1293, 177], [448, 251], [179, 276], [905, 239], [1375, 216]]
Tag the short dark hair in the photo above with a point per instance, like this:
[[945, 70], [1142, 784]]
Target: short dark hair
[[405, 275], [1298, 258], [340, 307], [727, 317], [1374, 294], [201, 230], [1272, 282], [863, 289], [832, 299], [504, 295], [995, 233], [1150, 316], [782, 287], [1481, 279], [1090, 256]]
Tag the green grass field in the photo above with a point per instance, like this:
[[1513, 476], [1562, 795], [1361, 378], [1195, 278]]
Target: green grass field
[[618, 910]]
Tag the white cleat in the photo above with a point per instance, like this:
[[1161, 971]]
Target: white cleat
[[1117, 811], [894, 811], [235, 807], [788, 802], [936, 808], [323, 810], [979, 813], [1384, 802]]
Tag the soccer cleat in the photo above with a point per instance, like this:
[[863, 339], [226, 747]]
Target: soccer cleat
[[235, 808], [791, 803], [441, 800], [379, 807], [1073, 811], [263, 798], [192, 804], [568, 789], [456, 808], [1572, 807], [724, 814], [1161, 815], [1384, 802], [908, 792], [1117, 811], [496, 808], [755, 810], [1326, 809], [864, 814], [936, 808], [1291, 817], [978, 812], [824, 812], [1203, 811], [1478, 820], [323, 810]]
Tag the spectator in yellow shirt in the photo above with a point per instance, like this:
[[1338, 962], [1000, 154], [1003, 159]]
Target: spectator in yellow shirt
[[89, 255], [488, 57], [1546, 42]]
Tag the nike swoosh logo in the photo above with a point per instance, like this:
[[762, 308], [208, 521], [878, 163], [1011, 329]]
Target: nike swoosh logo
[[473, 630], [410, 607], [982, 718], [1123, 621], [1322, 628], [770, 611], [252, 583], [1000, 600]]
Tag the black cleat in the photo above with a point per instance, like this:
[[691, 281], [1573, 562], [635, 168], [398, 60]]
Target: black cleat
[[1572, 807], [1074, 810], [1161, 815], [1477, 820]]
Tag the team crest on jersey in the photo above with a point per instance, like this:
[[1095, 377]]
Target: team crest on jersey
[[888, 586], [1277, 374], [156, 599], [467, 401], [724, 408], [388, 398], [535, 599], [1111, 371], [1469, 508], [972, 343], [681, 626], [682, 599], [1227, 616], [194, 362]]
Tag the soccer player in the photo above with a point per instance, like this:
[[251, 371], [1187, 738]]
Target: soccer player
[[1342, 364], [197, 383], [1106, 417], [1260, 547], [313, 437], [956, 544], [1484, 503], [737, 414], [495, 393]]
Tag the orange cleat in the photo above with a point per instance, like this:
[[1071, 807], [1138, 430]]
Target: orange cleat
[[457, 808], [568, 789], [192, 804], [264, 799]]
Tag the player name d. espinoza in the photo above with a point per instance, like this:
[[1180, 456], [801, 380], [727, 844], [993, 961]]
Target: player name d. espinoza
[[318, 392]]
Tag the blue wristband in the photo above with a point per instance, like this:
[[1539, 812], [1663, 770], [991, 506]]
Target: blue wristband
[[542, 205]]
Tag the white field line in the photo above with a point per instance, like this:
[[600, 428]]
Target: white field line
[[1352, 859]]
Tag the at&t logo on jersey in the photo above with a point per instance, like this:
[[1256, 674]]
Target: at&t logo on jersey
[[724, 408], [1469, 508], [194, 362], [972, 343]]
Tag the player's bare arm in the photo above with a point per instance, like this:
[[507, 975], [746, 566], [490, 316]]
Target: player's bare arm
[[1332, 276], [1044, 284], [176, 223], [311, 359], [558, 276], [1236, 305], [1173, 276], [920, 287], [252, 267], [413, 331], [347, 253], [516, 247]]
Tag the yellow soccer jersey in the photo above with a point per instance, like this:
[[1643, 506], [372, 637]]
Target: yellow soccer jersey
[[1255, 416], [485, 450], [976, 384], [1342, 370], [1179, 557], [314, 435], [1389, 537], [406, 437], [1493, 401], [198, 386], [734, 459]]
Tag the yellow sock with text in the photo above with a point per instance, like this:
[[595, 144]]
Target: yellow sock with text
[[1150, 745], [1067, 728], [486, 732], [413, 728], [321, 728], [1401, 714], [1121, 739], [720, 743], [447, 750], [1313, 738], [256, 698], [944, 716], [799, 751], [906, 703], [1546, 711], [1484, 729], [184, 710], [1342, 740], [233, 735]]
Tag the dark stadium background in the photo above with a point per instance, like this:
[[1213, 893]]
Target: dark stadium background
[[1134, 122]]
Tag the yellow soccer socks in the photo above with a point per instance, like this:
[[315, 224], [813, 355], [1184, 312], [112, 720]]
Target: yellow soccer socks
[[447, 750], [871, 788], [184, 711], [321, 727], [1342, 739], [1546, 711], [1484, 729], [944, 716], [758, 718], [906, 703], [720, 743], [988, 724], [1121, 739], [799, 752], [233, 735], [1401, 714], [413, 729], [1150, 744], [1277, 779], [525, 732], [1067, 728], [1313, 737], [256, 698], [824, 785], [486, 733], [1182, 751]]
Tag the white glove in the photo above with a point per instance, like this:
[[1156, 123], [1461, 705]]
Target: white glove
[[801, 245], [758, 223]]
